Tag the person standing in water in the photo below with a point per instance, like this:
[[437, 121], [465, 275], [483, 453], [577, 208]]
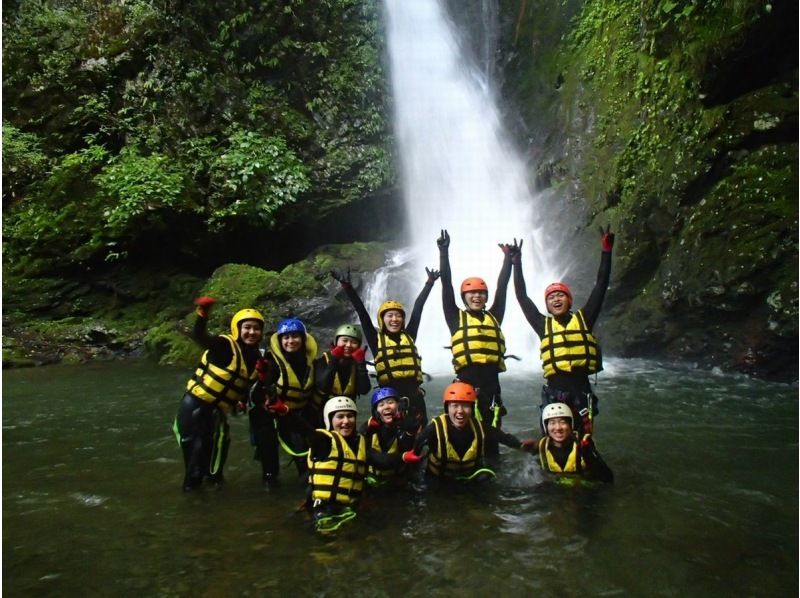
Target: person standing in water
[[477, 341], [569, 350]]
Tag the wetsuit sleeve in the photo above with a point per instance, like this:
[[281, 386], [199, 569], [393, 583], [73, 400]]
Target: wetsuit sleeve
[[448, 296], [535, 318], [219, 349], [591, 310], [498, 309], [363, 383], [416, 313], [596, 468], [370, 335], [324, 371], [320, 446], [200, 333], [502, 437], [426, 438], [383, 460]]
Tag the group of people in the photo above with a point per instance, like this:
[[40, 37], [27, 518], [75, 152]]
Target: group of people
[[305, 404]]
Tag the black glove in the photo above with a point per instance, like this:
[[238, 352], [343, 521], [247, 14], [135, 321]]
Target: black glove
[[433, 275], [342, 278], [444, 239]]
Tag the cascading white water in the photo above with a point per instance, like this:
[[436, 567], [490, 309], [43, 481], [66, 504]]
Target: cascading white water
[[460, 173]]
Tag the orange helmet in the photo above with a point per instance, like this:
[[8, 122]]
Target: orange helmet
[[386, 306], [460, 392], [473, 283], [558, 286]]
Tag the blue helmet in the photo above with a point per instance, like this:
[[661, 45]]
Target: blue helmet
[[383, 393], [291, 325]]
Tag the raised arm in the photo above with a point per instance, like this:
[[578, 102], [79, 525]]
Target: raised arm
[[448, 296], [370, 335], [498, 308], [412, 327], [591, 310], [532, 314]]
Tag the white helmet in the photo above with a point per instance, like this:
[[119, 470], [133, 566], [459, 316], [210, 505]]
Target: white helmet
[[335, 404], [556, 410]]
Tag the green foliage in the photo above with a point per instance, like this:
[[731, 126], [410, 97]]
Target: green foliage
[[23, 161], [255, 177]]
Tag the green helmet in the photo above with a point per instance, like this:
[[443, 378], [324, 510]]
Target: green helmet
[[348, 330]]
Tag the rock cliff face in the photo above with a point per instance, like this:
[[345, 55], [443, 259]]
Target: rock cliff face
[[676, 122]]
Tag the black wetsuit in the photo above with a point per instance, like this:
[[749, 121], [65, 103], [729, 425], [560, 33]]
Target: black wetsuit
[[406, 387], [571, 387], [484, 377], [197, 421]]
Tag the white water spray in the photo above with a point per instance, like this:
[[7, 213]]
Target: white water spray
[[460, 173]]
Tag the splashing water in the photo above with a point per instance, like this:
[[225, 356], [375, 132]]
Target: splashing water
[[460, 173]]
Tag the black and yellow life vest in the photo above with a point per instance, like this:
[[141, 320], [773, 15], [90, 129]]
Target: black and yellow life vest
[[394, 449], [221, 386], [445, 461], [397, 358], [565, 348], [339, 478], [574, 465], [289, 388], [336, 389], [478, 341]]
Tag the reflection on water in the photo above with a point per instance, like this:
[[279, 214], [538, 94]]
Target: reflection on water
[[705, 501]]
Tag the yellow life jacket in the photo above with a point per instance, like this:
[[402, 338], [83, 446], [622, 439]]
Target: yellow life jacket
[[445, 461], [336, 389], [221, 386], [574, 465], [397, 359], [393, 449], [478, 341], [339, 478], [565, 348], [291, 390]]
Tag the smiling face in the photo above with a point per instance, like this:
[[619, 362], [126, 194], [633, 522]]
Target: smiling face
[[559, 429], [250, 332], [348, 343], [344, 422], [475, 300], [291, 342], [393, 320], [387, 410], [459, 413], [558, 303]]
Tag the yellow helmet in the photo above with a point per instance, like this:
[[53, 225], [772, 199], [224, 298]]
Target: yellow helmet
[[242, 315], [386, 306]]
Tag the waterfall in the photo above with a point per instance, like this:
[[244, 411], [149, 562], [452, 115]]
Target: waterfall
[[459, 172]]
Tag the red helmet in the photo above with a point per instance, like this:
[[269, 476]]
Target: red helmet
[[473, 283], [558, 286], [460, 392]]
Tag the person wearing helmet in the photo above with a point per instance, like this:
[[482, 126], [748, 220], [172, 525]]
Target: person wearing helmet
[[337, 466], [217, 387], [568, 349], [281, 412], [477, 341], [397, 361], [455, 442], [389, 432], [342, 370], [563, 453]]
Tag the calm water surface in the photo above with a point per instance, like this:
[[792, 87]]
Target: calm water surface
[[705, 503]]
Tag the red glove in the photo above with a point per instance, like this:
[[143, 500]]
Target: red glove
[[204, 304], [586, 441], [360, 355], [411, 457], [277, 407], [528, 445], [373, 423], [337, 352], [607, 239], [262, 369]]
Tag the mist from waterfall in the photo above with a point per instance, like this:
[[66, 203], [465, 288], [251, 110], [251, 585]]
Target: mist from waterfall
[[460, 173]]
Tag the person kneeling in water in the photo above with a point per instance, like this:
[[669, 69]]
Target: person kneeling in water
[[337, 464], [563, 453], [455, 441]]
